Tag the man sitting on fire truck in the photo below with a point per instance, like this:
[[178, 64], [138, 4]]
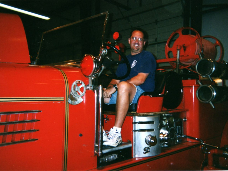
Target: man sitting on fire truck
[[127, 91]]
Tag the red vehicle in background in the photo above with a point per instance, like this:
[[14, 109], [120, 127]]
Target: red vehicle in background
[[52, 115]]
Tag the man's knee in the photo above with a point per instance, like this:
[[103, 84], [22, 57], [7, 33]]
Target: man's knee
[[125, 86]]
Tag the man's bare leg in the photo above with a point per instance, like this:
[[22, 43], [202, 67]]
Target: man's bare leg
[[126, 93]]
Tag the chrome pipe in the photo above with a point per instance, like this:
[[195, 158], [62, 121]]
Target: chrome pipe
[[100, 131], [209, 68], [212, 94], [178, 59], [96, 118]]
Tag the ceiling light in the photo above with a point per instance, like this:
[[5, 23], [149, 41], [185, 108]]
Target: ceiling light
[[24, 11]]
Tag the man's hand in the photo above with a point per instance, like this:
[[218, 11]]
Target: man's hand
[[108, 92]]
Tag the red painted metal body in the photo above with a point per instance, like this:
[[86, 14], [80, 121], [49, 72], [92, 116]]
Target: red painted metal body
[[153, 104], [40, 130], [202, 121], [14, 48]]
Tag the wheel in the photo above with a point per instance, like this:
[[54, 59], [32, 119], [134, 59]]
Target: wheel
[[187, 45], [217, 43]]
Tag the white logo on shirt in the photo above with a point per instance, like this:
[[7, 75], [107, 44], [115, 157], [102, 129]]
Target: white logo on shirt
[[133, 64]]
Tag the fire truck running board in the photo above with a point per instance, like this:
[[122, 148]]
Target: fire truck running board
[[112, 155], [107, 149]]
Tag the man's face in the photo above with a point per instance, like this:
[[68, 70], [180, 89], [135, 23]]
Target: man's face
[[136, 42]]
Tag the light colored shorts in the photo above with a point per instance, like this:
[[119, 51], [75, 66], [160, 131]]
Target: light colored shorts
[[138, 92]]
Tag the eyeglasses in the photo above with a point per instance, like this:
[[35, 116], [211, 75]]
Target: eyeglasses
[[139, 39]]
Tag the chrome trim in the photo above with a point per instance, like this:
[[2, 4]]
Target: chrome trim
[[100, 132], [178, 59], [144, 130], [75, 96], [90, 86], [124, 145], [96, 120]]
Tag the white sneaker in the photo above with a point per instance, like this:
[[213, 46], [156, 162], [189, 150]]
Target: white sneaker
[[114, 138], [105, 137]]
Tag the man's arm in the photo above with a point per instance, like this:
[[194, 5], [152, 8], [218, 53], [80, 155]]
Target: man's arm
[[138, 79], [112, 83], [110, 88]]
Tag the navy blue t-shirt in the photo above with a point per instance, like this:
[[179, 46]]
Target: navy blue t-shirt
[[143, 62]]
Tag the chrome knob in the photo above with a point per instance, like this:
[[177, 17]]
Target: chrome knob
[[151, 140]]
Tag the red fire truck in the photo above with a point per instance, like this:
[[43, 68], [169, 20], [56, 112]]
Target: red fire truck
[[52, 114]]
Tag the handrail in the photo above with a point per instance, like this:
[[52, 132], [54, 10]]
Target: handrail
[[98, 120], [100, 132]]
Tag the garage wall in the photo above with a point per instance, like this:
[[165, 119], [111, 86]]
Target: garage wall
[[159, 18], [215, 22], [162, 17]]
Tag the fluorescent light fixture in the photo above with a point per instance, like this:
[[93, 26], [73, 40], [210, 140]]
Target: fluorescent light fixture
[[24, 11]]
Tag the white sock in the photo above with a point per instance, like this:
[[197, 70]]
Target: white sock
[[117, 129]]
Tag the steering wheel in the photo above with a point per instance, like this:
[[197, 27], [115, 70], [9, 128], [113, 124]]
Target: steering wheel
[[217, 43], [187, 45], [109, 63]]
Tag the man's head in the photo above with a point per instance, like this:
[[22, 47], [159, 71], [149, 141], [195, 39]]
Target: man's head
[[137, 41]]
